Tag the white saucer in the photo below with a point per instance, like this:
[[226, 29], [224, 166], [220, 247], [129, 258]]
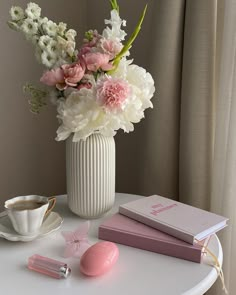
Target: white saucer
[[50, 224]]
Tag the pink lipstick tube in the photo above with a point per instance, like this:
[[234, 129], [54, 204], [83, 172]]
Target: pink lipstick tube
[[48, 266]]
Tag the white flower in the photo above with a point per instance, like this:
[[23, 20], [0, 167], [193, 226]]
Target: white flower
[[142, 85], [52, 47], [115, 32], [44, 41], [70, 35], [61, 42], [33, 10], [42, 21], [115, 20], [82, 115], [61, 28], [17, 13], [79, 114], [66, 46], [29, 27], [50, 28], [70, 48], [48, 59]]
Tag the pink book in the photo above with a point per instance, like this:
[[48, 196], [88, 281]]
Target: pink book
[[126, 231], [182, 221]]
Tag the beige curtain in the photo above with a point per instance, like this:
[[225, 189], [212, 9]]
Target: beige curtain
[[223, 192], [186, 147]]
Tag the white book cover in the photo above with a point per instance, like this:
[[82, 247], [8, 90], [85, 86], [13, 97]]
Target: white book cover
[[182, 221]]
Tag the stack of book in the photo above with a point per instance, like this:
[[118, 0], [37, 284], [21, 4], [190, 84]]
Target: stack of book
[[163, 226]]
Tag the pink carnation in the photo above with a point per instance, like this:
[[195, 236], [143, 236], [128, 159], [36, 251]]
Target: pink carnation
[[73, 73], [97, 60], [112, 92]]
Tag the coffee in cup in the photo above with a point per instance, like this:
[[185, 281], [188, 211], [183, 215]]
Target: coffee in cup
[[28, 212]]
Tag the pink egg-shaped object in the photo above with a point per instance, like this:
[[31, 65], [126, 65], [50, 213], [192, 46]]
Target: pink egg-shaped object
[[99, 258]]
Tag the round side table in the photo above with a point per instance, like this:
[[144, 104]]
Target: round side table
[[136, 271]]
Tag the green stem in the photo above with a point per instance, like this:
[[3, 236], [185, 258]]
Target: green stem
[[130, 40], [133, 36], [114, 5]]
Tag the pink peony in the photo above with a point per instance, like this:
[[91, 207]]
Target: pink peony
[[112, 92], [73, 73], [53, 77], [97, 60]]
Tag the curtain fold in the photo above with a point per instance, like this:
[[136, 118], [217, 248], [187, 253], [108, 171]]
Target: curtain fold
[[223, 200], [152, 149], [186, 147], [197, 102]]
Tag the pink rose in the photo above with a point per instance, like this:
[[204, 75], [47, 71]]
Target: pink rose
[[97, 60], [73, 73], [112, 92], [53, 77]]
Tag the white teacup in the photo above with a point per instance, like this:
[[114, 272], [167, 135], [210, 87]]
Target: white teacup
[[27, 212]]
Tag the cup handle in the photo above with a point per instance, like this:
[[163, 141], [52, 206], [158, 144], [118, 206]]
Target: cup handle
[[52, 203]]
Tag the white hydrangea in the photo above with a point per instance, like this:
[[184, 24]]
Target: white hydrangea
[[61, 28], [29, 27], [17, 13], [44, 41], [48, 59], [42, 21], [70, 35], [115, 32], [50, 28], [52, 47], [33, 10], [68, 47]]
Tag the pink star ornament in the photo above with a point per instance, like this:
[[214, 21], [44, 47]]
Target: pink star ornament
[[77, 241]]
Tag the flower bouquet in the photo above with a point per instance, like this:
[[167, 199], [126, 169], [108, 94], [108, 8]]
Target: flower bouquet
[[97, 90]]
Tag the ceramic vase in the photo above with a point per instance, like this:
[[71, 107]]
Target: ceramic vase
[[90, 174]]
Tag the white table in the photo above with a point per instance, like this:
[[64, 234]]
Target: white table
[[137, 272]]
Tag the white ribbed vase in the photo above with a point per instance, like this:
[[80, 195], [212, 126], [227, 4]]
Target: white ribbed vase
[[90, 173]]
